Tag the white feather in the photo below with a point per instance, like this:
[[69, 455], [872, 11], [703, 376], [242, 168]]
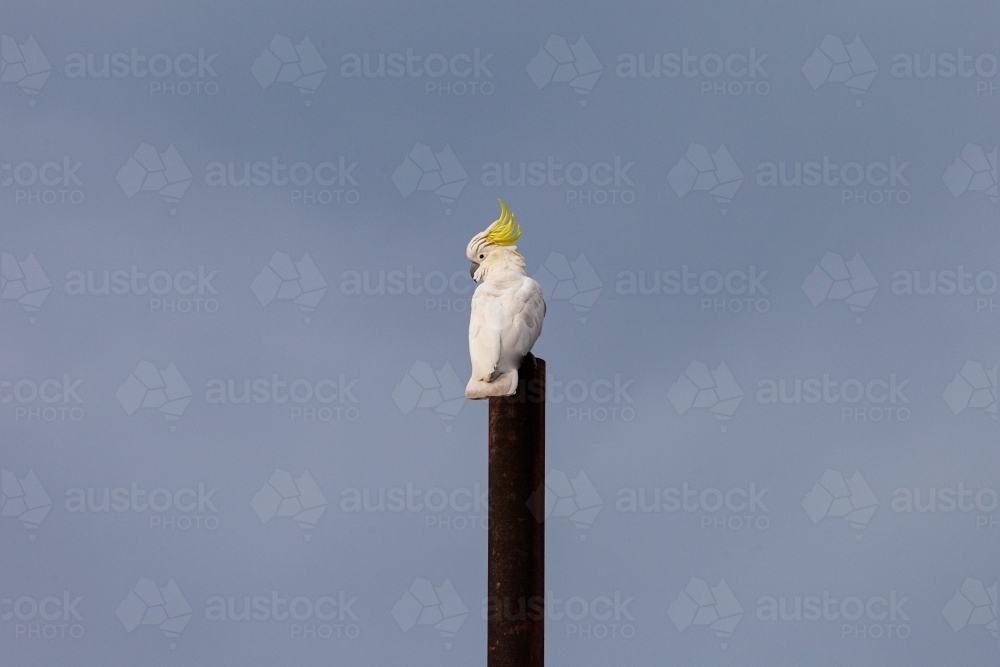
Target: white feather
[[506, 317]]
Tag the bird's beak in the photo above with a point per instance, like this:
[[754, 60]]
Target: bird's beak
[[472, 270]]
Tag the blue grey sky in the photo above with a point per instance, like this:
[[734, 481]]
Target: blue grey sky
[[746, 351]]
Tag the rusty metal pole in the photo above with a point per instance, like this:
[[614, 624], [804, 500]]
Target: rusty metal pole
[[516, 565]]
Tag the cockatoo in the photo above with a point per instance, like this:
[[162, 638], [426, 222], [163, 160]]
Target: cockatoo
[[507, 309]]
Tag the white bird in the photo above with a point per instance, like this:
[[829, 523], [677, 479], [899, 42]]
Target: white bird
[[507, 309]]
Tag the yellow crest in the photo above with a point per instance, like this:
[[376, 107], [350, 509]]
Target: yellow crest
[[505, 230]]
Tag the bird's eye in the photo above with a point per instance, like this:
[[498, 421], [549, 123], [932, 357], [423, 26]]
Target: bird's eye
[[482, 256]]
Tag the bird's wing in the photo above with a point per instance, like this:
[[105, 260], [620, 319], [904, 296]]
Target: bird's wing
[[526, 308], [486, 322]]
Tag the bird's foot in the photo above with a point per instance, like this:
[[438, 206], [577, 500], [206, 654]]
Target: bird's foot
[[504, 385]]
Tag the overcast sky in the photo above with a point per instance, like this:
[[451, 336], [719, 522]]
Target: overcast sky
[[767, 236]]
